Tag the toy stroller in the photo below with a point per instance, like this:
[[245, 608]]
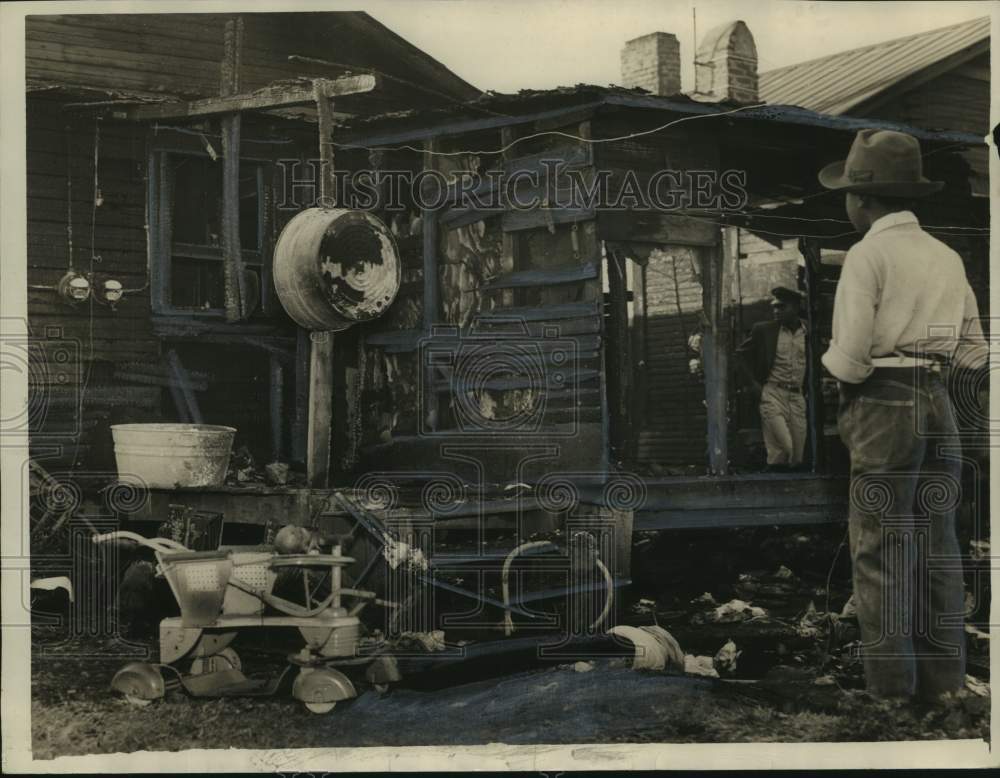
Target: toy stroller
[[221, 592]]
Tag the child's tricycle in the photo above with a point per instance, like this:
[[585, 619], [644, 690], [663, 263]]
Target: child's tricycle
[[220, 592]]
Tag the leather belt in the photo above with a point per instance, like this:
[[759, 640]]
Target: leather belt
[[901, 362], [913, 359], [786, 387]]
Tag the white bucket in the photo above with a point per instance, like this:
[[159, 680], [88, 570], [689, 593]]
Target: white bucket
[[164, 456]]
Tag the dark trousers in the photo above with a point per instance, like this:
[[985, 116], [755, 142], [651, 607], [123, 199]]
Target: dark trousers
[[905, 489]]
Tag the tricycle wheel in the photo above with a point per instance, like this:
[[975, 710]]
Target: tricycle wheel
[[320, 707], [139, 702]]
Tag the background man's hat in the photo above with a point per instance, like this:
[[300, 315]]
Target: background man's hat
[[881, 162], [786, 295]]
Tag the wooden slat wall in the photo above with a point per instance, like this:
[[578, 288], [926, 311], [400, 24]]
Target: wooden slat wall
[[96, 337], [955, 101], [179, 54], [534, 285]]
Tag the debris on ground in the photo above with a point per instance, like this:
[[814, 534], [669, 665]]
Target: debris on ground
[[977, 687], [429, 641], [583, 667], [243, 468], [53, 583], [978, 640], [700, 665], [724, 661], [655, 648], [704, 600], [644, 606], [772, 589], [276, 473], [397, 552], [732, 611], [812, 623]]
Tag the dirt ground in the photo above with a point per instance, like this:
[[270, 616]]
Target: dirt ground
[[798, 678], [75, 712]]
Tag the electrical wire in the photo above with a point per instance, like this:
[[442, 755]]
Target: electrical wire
[[69, 194], [397, 79], [547, 133], [90, 304]]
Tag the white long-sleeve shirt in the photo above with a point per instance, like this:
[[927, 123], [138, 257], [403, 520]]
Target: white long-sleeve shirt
[[901, 289]]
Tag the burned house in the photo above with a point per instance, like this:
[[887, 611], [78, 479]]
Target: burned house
[[558, 359], [126, 223]]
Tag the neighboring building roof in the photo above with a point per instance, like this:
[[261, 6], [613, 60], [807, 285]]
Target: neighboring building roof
[[837, 83]]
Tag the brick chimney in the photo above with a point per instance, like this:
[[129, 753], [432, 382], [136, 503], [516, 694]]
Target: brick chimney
[[653, 62], [725, 67]]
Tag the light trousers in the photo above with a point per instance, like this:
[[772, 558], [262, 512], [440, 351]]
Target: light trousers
[[783, 424]]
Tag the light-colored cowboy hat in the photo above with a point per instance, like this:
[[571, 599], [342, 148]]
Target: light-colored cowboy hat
[[881, 162]]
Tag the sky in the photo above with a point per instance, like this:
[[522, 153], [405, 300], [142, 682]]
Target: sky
[[539, 44]]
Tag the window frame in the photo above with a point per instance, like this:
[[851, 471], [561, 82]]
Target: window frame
[[162, 249]]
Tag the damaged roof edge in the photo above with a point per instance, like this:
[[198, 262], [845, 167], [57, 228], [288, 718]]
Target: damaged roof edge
[[787, 114]]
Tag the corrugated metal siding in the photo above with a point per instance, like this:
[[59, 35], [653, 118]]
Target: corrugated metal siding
[[836, 83]]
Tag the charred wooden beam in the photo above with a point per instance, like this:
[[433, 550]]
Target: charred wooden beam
[[525, 278], [814, 376], [320, 422], [657, 227], [618, 357], [265, 99], [715, 357], [543, 313], [235, 292], [277, 408], [300, 424], [428, 406]]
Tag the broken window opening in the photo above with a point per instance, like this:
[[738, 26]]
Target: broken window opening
[[186, 233]]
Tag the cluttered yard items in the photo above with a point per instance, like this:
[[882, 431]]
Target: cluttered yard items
[[485, 395], [225, 591]]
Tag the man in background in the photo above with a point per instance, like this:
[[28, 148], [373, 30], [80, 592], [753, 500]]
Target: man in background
[[775, 357], [904, 315]]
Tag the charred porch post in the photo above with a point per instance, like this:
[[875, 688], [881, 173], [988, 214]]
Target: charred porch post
[[715, 348], [321, 347], [428, 407], [810, 250], [236, 301]]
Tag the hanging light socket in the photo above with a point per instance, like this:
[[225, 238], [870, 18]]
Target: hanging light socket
[[73, 287], [113, 291]]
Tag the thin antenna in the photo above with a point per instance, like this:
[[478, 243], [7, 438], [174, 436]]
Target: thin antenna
[[694, 41], [694, 29]]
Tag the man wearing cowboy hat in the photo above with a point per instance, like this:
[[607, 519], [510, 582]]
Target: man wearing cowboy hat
[[775, 357], [904, 315]]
